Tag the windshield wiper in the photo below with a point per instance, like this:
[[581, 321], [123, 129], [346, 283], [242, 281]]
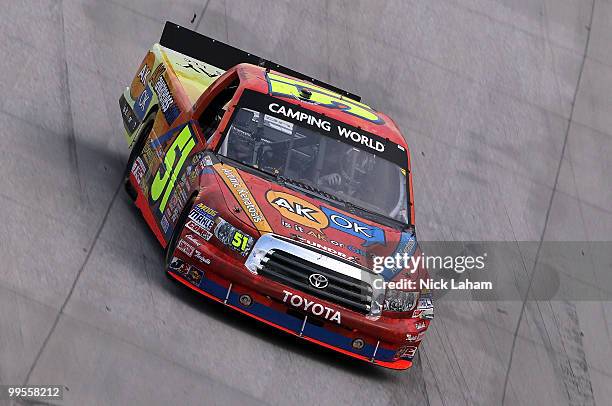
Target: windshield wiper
[[316, 192], [247, 166], [353, 209], [350, 207], [308, 188]]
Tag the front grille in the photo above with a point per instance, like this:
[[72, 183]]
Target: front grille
[[294, 271]]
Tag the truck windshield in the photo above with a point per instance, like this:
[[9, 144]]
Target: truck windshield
[[286, 149]]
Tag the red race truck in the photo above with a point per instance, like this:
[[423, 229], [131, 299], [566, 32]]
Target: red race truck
[[274, 194]]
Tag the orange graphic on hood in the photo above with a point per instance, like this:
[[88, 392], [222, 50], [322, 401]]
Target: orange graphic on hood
[[234, 182], [298, 210]]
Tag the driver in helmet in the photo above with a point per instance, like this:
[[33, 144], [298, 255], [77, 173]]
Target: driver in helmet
[[355, 166]]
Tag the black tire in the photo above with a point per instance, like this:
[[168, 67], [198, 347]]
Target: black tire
[[143, 135], [180, 223]]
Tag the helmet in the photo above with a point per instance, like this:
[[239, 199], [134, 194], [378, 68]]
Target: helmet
[[356, 165]]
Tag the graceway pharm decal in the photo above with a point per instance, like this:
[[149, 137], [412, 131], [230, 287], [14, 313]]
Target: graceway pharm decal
[[234, 181]]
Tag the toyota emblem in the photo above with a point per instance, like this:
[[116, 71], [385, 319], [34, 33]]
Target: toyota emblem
[[318, 281]]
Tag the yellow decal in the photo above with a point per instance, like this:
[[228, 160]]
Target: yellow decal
[[163, 183], [240, 241], [298, 210], [234, 181], [288, 87], [195, 76]]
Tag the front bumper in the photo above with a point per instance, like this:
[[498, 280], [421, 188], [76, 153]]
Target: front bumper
[[378, 355], [225, 280]]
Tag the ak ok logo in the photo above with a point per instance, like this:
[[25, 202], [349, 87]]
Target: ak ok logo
[[370, 234], [297, 210]]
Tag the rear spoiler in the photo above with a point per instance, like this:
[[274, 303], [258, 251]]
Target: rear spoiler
[[223, 56]]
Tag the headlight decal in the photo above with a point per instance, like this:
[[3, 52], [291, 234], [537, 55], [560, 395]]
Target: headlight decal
[[399, 300], [233, 237]]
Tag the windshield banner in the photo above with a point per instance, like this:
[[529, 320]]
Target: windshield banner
[[332, 128]]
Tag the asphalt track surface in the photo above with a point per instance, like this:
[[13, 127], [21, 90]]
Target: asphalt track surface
[[506, 106]]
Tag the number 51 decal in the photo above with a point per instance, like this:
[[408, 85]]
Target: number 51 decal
[[163, 184]]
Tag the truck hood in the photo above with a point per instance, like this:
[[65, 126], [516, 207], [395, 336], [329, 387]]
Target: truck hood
[[273, 208]]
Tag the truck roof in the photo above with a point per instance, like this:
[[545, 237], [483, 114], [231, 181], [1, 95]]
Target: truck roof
[[339, 104], [336, 105]]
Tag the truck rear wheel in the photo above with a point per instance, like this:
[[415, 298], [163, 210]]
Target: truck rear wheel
[[141, 139]]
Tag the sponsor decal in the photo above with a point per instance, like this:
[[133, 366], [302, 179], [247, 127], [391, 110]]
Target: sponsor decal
[[166, 101], [173, 208], [406, 352], [198, 230], [288, 87], [145, 188], [297, 210], [204, 209], [157, 73], [165, 179], [203, 216], [323, 247], [193, 176], [425, 302], [200, 257], [319, 235], [140, 80], [177, 201], [234, 182], [424, 309], [310, 306], [130, 121], [420, 325], [359, 251], [370, 234], [142, 103], [189, 272], [193, 239], [233, 238], [406, 246], [144, 74], [207, 161], [185, 247], [194, 276], [415, 337], [148, 154], [199, 67], [338, 130], [164, 224], [139, 169], [199, 162], [178, 266]]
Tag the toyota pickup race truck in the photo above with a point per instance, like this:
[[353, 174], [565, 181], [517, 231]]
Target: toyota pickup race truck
[[273, 193]]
